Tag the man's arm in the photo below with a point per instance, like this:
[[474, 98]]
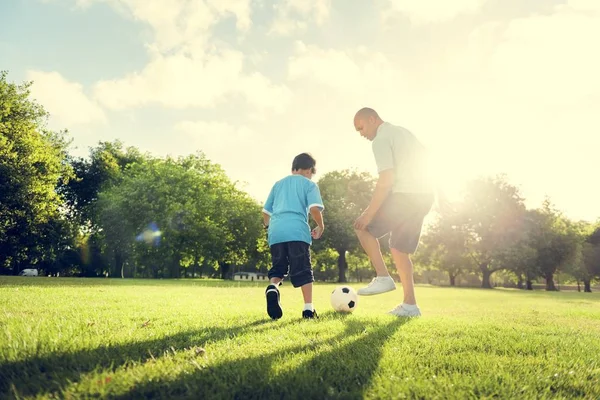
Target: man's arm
[[382, 190]]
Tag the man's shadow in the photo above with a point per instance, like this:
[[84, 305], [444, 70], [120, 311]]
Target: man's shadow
[[49, 373], [344, 369]]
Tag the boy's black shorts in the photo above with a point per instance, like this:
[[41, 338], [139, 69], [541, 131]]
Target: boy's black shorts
[[292, 257], [402, 215]]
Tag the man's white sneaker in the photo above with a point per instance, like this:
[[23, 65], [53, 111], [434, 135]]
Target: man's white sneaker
[[403, 311], [379, 284]]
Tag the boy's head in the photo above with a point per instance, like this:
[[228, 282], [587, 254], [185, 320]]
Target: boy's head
[[304, 164]]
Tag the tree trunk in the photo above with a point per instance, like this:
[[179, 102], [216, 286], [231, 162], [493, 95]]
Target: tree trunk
[[587, 284], [520, 282], [486, 274], [529, 284], [224, 270], [550, 283], [342, 266], [118, 264], [452, 279], [578, 286]]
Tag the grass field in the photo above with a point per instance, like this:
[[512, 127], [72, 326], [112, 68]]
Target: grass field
[[82, 338]]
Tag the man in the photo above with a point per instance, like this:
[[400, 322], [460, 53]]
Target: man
[[403, 196]]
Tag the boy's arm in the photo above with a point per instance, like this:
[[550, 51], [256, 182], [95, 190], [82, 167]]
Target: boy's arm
[[316, 207], [268, 208], [317, 215], [266, 219]]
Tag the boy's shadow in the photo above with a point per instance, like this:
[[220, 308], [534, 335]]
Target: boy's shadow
[[335, 370]]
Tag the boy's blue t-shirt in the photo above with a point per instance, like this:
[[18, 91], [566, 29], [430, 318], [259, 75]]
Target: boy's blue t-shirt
[[289, 204]]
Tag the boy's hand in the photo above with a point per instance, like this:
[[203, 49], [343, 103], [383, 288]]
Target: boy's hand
[[317, 232]]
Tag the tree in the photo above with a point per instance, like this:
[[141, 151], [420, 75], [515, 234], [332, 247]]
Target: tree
[[586, 264], [444, 247], [345, 195], [492, 218], [168, 214], [103, 169], [32, 162], [554, 239]]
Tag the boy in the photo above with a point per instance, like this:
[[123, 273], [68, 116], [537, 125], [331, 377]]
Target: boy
[[285, 215]]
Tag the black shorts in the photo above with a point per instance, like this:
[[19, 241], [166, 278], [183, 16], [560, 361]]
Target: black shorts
[[401, 215], [292, 257]]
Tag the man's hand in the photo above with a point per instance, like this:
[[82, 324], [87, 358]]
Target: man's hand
[[362, 221], [317, 232]]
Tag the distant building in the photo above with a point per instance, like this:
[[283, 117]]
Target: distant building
[[250, 276]]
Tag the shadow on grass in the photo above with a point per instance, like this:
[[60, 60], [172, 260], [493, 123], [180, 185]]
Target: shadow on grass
[[339, 367], [51, 372]]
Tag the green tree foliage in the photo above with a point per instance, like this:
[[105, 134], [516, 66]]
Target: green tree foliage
[[554, 239], [492, 218], [201, 218], [445, 248], [32, 161], [345, 195]]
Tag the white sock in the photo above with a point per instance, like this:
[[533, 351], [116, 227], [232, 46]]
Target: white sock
[[308, 306], [409, 307]]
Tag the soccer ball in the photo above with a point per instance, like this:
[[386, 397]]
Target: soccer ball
[[344, 299]]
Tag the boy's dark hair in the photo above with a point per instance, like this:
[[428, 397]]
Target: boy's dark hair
[[304, 161]]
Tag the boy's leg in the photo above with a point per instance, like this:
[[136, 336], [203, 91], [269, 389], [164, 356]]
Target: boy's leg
[[278, 270], [301, 274], [307, 293]]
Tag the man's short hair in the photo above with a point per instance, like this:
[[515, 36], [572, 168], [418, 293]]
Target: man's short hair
[[303, 161], [367, 112]]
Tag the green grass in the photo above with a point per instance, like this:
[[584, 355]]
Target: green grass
[[81, 338]]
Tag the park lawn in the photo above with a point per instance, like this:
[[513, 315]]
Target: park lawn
[[81, 338]]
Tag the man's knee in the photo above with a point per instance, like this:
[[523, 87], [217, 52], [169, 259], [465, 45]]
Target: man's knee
[[400, 253]]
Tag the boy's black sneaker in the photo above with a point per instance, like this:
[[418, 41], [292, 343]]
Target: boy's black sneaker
[[273, 307], [309, 314]]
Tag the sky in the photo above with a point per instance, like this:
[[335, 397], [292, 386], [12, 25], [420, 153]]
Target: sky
[[490, 86]]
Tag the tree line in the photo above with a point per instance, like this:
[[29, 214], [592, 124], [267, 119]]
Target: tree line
[[122, 213]]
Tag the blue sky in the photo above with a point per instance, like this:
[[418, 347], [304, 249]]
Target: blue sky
[[491, 86]]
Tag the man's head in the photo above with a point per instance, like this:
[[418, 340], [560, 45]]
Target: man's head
[[304, 164], [366, 122]]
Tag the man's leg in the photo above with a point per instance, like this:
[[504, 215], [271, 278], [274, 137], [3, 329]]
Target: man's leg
[[371, 246], [383, 282], [405, 272], [404, 241]]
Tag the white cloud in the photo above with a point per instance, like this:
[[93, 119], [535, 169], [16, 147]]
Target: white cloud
[[180, 81], [66, 101], [584, 5], [293, 16], [354, 71], [181, 24], [185, 68], [431, 11]]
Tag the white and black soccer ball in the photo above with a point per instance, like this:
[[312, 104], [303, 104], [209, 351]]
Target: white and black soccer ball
[[344, 299]]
